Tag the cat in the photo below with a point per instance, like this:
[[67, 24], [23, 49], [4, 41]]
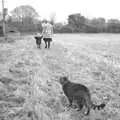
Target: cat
[[78, 93]]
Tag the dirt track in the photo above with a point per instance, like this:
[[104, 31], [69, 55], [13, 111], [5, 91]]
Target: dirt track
[[35, 72]]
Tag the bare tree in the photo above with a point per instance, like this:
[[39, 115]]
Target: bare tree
[[21, 12], [53, 18]]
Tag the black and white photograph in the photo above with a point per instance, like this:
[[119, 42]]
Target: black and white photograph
[[59, 60]]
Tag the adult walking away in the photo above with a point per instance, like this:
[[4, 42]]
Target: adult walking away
[[47, 33]]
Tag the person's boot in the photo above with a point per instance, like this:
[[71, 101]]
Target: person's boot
[[45, 45], [40, 46], [48, 45]]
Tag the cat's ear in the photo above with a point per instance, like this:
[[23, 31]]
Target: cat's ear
[[65, 78], [62, 79]]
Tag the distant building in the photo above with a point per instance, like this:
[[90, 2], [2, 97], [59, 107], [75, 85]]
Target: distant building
[[8, 30], [12, 30]]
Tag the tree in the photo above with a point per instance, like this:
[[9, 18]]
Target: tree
[[39, 26], [77, 22], [58, 27], [113, 26], [9, 19], [0, 16], [21, 12], [53, 18], [99, 24], [24, 18]]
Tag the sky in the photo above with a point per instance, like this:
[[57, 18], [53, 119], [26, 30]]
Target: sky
[[62, 8]]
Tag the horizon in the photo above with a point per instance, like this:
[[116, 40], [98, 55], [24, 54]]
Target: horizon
[[90, 9]]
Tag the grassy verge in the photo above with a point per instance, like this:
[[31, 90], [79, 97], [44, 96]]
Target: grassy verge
[[29, 76]]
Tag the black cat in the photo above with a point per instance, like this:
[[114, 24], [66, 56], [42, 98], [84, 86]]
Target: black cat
[[38, 41], [80, 94]]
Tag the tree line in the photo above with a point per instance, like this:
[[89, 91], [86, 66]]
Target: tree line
[[26, 19], [80, 24]]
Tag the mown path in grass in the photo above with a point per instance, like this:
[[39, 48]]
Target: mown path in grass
[[34, 91]]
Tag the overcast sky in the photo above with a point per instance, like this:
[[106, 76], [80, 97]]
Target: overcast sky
[[62, 8]]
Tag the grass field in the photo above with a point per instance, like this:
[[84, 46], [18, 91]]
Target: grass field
[[34, 93]]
